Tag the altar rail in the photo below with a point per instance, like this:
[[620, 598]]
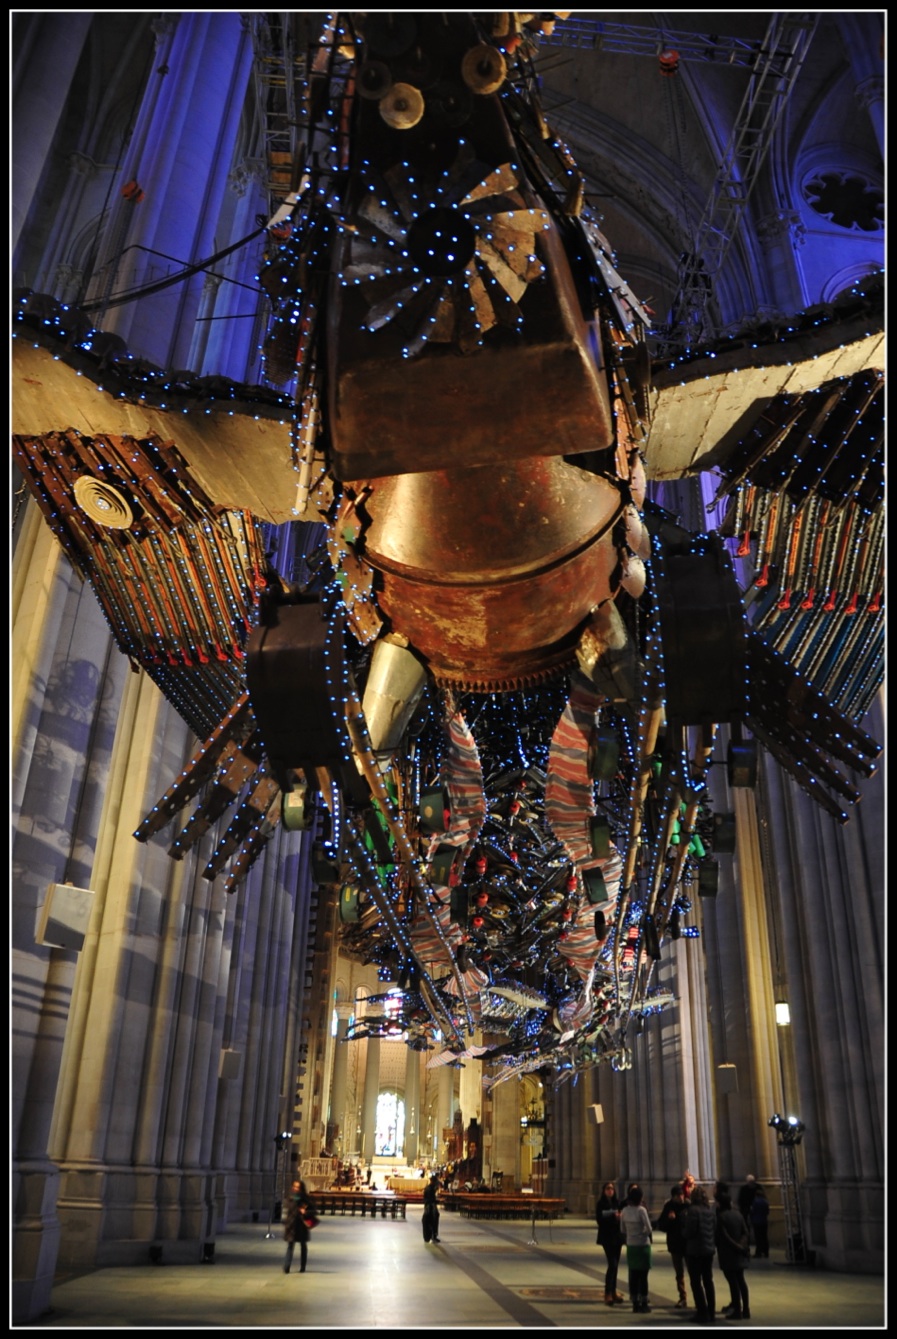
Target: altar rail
[[490, 1205], [365, 1202]]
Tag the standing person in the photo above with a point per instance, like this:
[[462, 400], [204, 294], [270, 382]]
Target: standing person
[[760, 1223], [431, 1211], [688, 1185], [746, 1195], [672, 1222], [300, 1219], [734, 1254], [636, 1228], [700, 1246], [610, 1239]]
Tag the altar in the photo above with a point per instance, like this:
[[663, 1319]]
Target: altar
[[407, 1185]]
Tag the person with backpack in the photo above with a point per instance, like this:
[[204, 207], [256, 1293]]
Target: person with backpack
[[635, 1226]]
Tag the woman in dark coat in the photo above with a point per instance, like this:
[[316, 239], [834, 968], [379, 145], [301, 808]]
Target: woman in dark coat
[[610, 1239], [300, 1209]]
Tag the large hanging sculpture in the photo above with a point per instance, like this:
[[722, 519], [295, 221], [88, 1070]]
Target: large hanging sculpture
[[494, 699]]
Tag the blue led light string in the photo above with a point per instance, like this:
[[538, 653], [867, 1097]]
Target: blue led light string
[[201, 765], [650, 719], [368, 876], [364, 751]]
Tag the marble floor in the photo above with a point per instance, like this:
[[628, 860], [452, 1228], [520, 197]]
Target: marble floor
[[484, 1275]]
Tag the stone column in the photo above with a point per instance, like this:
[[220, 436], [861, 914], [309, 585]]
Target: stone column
[[184, 144], [232, 50], [471, 1091], [698, 1125], [505, 1146], [413, 1112], [48, 48], [568, 1136], [866, 56], [782, 233], [110, 269], [830, 891], [338, 1083], [57, 272], [66, 682], [445, 1106], [235, 334], [371, 1094], [763, 1081], [204, 321], [102, 1087], [262, 969], [870, 94], [41, 581]]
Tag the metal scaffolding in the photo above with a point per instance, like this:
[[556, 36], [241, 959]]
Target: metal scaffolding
[[789, 1134], [587, 33], [280, 74], [775, 62], [775, 73]]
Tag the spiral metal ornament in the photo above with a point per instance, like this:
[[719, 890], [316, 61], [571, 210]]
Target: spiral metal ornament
[[103, 504]]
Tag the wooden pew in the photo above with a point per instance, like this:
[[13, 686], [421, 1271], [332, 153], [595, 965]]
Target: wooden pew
[[364, 1202], [490, 1205]]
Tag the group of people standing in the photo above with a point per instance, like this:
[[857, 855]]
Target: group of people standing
[[696, 1230]]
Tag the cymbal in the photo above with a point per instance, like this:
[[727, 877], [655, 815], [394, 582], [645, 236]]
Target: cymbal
[[402, 107], [483, 69], [374, 80]]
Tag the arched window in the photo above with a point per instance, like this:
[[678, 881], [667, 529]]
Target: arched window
[[849, 199], [390, 1135]]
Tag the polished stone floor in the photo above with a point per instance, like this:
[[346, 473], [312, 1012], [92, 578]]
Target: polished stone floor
[[484, 1275]]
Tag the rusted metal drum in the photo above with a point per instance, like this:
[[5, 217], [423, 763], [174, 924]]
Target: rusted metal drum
[[490, 573]]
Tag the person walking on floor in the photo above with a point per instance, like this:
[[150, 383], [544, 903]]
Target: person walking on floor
[[431, 1211], [734, 1253], [671, 1221], [299, 1220], [610, 1239], [637, 1234], [760, 1224], [700, 1247]]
